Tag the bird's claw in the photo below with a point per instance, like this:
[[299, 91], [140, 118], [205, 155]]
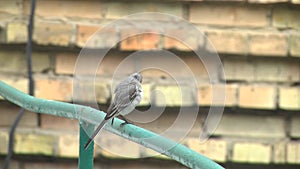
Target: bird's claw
[[125, 122]]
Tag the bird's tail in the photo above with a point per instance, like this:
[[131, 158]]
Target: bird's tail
[[94, 134]]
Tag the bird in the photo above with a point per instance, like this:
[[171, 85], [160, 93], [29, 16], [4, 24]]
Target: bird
[[128, 94]]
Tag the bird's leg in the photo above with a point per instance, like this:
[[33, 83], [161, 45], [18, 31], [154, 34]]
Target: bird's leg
[[112, 121], [125, 121]]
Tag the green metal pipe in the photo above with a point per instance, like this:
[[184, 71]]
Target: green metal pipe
[[88, 115], [85, 160]]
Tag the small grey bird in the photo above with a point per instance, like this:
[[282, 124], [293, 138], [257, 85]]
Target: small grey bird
[[128, 95]]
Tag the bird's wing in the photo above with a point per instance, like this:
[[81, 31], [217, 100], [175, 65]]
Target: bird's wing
[[124, 95]]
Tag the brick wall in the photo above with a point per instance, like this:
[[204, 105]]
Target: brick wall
[[258, 42]]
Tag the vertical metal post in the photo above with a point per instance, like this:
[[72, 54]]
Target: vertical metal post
[[86, 157]]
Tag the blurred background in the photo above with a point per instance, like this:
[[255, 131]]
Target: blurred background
[[258, 42]]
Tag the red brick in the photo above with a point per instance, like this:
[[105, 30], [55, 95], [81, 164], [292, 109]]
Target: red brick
[[68, 145], [50, 165], [95, 37], [268, 44], [9, 112], [258, 97], [132, 40], [2, 31], [197, 67], [229, 15], [46, 33], [286, 17], [143, 164], [16, 33], [186, 40], [164, 65], [89, 90], [172, 43], [53, 88], [111, 63], [213, 148], [175, 95], [155, 73], [289, 98], [17, 82], [267, 1], [63, 9], [251, 153], [279, 152], [261, 69], [16, 62], [58, 123], [293, 152], [272, 70], [84, 33], [4, 142], [12, 7], [228, 41], [295, 45], [238, 69], [295, 1], [41, 61], [205, 93], [115, 10], [118, 63], [65, 63], [34, 143], [295, 127], [251, 126]]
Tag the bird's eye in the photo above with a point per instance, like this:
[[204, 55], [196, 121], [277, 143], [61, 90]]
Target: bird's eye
[[138, 77]]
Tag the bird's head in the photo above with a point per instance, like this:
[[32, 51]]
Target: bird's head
[[137, 76]]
